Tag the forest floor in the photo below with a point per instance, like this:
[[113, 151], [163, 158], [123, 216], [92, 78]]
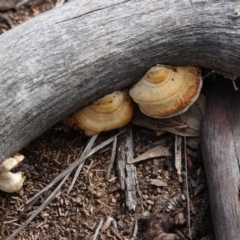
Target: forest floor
[[96, 199]]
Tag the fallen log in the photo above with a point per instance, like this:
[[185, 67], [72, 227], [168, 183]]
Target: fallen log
[[221, 154], [64, 59]]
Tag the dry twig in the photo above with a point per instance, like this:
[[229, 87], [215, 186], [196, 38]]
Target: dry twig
[[98, 229], [178, 155], [188, 200], [86, 150], [112, 158]]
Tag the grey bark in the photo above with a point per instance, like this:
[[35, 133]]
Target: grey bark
[[127, 172], [64, 59], [221, 154]]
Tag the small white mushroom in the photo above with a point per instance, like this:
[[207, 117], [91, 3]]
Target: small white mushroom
[[11, 182], [11, 162]]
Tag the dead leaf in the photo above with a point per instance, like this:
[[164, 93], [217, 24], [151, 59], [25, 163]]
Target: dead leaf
[[158, 151], [158, 183]]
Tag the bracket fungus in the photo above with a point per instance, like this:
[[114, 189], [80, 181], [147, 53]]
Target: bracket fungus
[[163, 92], [166, 91], [109, 112], [186, 124], [11, 182]]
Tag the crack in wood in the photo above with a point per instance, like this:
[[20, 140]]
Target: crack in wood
[[92, 11]]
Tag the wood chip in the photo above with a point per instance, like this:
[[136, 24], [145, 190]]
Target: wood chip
[[107, 223], [178, 155], [158, 183]]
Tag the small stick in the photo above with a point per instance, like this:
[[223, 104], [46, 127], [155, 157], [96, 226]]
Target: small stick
[[114, 231], [98, 229], [112, 158], [114, 224], [130, 191], [186, 179], [178, 155], [208, 74], [135, 230], [107, 223]]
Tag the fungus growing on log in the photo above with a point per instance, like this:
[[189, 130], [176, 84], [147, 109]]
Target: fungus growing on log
[[186, 124], [166, 91], [109, 112], [11, 182]]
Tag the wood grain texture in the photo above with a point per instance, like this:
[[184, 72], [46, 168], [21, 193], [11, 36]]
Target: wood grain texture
[[64, 59], [220, 143]]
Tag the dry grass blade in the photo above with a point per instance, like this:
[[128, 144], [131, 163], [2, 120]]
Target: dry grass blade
[[43, 205], [112, 158], [188, 202], [129, 145], [116, 234], [134, 236], [98, 229], [66, 171], [86, 150], [23, 2]]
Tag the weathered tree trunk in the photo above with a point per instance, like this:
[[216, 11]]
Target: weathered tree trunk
[[69, 56], [221, 152]]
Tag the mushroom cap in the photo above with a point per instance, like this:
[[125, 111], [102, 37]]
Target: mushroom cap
[[186, 124], [109, 112], [11, 182], [166, 91], [10, 163]]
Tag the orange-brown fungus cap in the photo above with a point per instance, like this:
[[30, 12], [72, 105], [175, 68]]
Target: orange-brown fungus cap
[[167, 91], [110, 112], [157, 74]]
